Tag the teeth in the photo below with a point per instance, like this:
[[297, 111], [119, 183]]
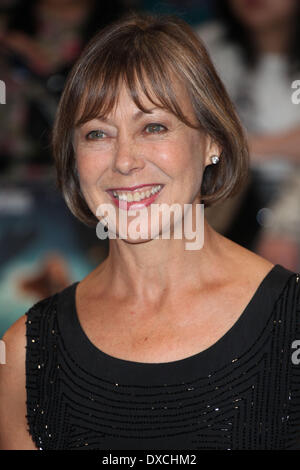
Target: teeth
[[136, 196]]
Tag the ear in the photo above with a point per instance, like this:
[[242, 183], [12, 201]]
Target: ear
[[211, 148]]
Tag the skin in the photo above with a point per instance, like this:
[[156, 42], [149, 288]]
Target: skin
[[130, 153], [159, 302], [144, 279]]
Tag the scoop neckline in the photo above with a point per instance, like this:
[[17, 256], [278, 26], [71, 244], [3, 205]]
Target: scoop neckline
[[91, 357]]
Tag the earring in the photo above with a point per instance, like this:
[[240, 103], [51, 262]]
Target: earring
[[214, 159]]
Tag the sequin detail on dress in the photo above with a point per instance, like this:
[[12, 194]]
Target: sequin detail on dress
[[250, 401]]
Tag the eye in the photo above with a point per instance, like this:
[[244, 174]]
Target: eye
[[95, 135], [154, 126]]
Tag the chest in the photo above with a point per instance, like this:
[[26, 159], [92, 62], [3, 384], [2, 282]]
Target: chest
[[175, 331]]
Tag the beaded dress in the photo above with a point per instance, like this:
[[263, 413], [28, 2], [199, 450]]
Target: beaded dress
[[243, 392]]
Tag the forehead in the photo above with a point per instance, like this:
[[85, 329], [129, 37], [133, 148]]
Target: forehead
[[125, 102], [137, 98]]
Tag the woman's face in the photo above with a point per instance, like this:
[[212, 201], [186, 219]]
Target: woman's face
[[257, 14], [156, 152]]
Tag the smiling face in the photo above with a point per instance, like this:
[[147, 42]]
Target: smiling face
[[133, 159]]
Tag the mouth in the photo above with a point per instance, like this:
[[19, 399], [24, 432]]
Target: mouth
[[137, 196]]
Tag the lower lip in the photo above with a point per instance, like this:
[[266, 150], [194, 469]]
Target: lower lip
[[135, 204]]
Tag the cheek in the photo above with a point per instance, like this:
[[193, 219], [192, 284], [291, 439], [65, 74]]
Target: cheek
[[89, 164], [177, 158]]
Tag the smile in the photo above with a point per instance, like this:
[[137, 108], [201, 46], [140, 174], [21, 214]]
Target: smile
[[140, 197]]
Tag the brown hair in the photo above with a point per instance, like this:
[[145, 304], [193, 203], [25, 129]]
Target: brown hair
[[142, 48]]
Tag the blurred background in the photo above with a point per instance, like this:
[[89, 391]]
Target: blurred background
[[254, 46]]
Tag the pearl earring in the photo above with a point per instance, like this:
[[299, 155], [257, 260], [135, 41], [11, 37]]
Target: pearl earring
[[214, 159]]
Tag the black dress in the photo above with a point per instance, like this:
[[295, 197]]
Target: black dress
[[243, 392]]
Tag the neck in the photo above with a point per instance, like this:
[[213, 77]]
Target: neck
[[159, 269]]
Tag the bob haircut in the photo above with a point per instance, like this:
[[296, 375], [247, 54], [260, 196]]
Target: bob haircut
[[143, 49]]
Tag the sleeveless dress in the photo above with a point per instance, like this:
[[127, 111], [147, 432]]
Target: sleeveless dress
[[243, 392]]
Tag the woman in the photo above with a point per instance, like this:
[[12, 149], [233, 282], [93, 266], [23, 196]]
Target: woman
[[254, 46], [161, 346]]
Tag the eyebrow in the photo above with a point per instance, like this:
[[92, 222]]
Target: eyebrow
[[138, 114], [135, 117]]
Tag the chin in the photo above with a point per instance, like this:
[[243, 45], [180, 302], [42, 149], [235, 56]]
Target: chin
[[131, 241], [141, 237]]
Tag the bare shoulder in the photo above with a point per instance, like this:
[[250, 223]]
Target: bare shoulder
[[13, 424], [12, 373], [245, 264], [15, 339]]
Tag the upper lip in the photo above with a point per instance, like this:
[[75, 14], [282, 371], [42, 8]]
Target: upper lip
[[132, 188]]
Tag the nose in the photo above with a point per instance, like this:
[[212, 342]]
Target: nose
[[128, 157]]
